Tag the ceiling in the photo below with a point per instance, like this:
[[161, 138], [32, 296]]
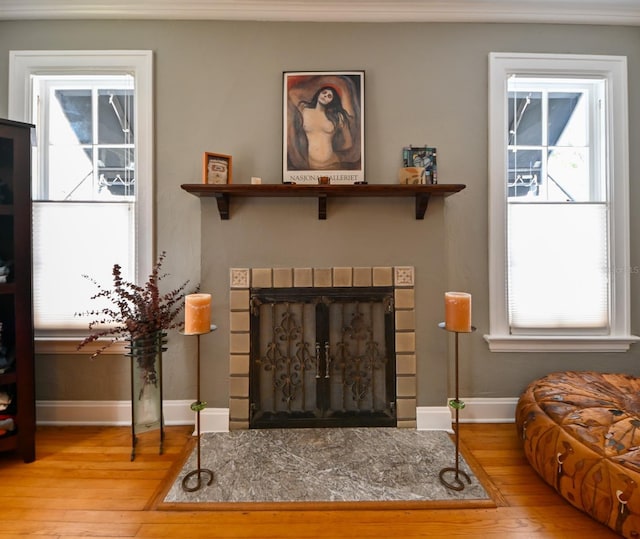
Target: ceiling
[[617, 12]]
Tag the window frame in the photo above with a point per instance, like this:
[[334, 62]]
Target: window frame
[[587, 87], [613, 69], [139, 63], [52, 83]]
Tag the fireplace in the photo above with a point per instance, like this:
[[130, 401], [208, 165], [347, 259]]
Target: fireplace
[[313, 347], [322, 357]]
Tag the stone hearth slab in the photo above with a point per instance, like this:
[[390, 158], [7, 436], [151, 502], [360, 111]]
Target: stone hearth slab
[[325, 465]]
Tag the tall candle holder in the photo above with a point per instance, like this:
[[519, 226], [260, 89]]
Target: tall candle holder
[[197, 407], [455, 483]]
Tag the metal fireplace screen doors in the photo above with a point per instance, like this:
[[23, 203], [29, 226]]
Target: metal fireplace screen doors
[[322, 358]]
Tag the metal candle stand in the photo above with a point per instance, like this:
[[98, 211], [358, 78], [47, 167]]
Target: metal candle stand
[[197, 407], [456, 483]]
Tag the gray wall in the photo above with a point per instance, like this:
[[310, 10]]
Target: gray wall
[[218, 88]]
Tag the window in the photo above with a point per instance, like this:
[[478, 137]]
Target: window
[[558, 203], [92, 181]]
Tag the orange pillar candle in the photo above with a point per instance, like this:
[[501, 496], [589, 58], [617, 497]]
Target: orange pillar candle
[[197, 314], [457, 311]]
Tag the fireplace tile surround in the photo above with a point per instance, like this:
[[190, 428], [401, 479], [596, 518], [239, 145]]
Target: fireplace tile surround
[[401, 278]]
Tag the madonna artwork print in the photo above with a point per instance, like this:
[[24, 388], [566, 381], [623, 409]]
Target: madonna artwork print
[[323, 127]]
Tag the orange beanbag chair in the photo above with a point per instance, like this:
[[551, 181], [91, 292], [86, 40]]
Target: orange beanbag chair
[[581, 433]]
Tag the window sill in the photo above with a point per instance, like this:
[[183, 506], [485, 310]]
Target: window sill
[[524, 343], [69, 346]]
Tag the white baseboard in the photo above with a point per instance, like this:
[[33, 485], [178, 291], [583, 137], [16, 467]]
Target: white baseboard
[[178, 412], [214, 420], [483, 410], [433, 418], [476, 410], [118, 413]]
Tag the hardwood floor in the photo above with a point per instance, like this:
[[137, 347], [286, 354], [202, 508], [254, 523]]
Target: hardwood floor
[[84, 485]]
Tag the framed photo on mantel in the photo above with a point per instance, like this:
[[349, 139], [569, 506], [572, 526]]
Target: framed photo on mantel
[[323, 127], [216, 168]]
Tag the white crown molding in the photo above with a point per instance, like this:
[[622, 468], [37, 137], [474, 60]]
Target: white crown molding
[[616, 12]]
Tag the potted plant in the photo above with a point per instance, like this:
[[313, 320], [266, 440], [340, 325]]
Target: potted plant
[[135, 312], [141, 314]]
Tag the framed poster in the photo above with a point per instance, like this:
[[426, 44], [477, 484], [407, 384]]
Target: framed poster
[[216, 168], [323, 127]]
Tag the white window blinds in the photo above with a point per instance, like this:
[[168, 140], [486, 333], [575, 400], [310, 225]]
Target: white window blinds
[[72, 239], [558, 266]]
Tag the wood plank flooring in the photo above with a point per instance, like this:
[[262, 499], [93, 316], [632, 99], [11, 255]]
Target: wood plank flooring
[[84, 485]]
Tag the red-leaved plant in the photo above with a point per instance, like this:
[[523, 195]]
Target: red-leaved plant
[[136, 311]]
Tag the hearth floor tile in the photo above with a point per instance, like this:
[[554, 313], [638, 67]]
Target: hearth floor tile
[[343, 464]]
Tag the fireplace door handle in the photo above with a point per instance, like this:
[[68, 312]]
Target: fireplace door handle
[[327, 359], [317, 360]]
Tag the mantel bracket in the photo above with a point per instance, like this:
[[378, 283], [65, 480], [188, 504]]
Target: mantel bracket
[[223, 205], [422, 201], [322, 207]]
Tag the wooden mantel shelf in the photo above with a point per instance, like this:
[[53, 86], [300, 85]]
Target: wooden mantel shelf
[[224, 193]]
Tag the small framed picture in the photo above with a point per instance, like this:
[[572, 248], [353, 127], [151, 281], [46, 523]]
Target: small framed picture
[[423, 157], [216, 168]]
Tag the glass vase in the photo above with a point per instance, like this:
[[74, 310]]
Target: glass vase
[[146, 385]]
